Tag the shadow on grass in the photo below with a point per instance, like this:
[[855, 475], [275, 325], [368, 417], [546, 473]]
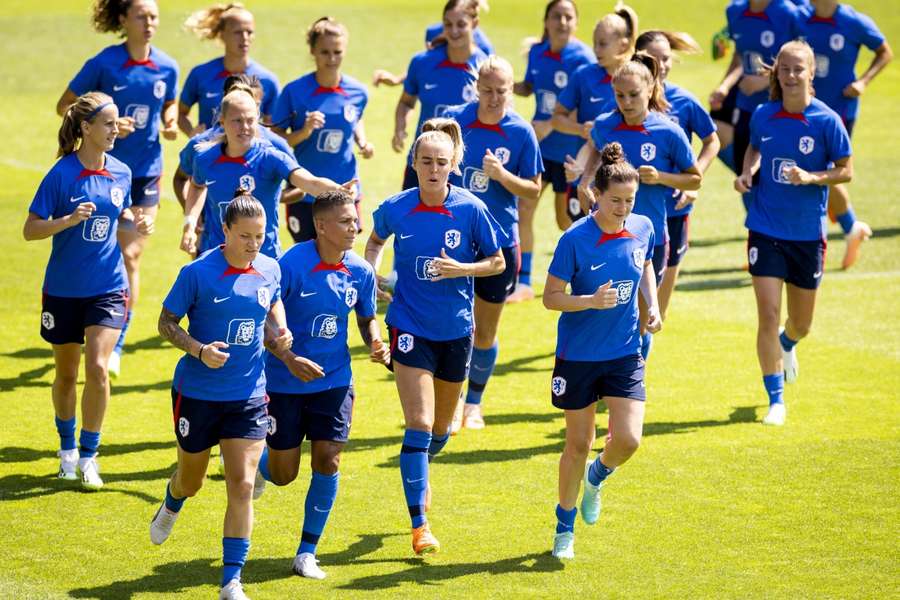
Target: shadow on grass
[[713, 284], [14, 454], [517, 365], [31, 353], [21, 486], [31, 378]]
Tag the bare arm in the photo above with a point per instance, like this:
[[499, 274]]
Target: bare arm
[[688, 180], [841, 172], [556, 297], [648, 291], [304, 180], [523, 88], [444, 267], [744, 181], [708, 152], [732, 76], [68, 97], [373, 253], [170, 329], [518, 186], [371, 336], [37, 228], [883, 55], [184, 120], [566, 121], [180, 183], [405, 105]]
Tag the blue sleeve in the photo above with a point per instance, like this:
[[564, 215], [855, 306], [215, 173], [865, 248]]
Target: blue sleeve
[[597, 135], [651, 244], [838, 140], [869, 34], [126, 200], [411, 83], [380, 224], [282, 109], [186, 159], [190, 95], [432, 32], [270, 95], [682, 153], [570, 95], [485, 231], [286, 275], [482, 41], [529, 76], [46, 199], [276, 290], [171, 84], [530, 163], [198, 170], [366, 303], [798, 29], [280, 164], [701, 123], [183, 294], [754, 130], [563, 264], [363, 103], [88, 78]]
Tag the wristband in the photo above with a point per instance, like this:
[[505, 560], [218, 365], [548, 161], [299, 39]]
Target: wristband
[[200, 354], [190, 220]]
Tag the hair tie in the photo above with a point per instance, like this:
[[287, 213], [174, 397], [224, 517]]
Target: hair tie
[[94, 112]]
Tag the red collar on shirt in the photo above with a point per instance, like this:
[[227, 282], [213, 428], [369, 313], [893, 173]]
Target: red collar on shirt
[[755, 15], [453, 65], [783, 114], [91, 172], [551, 54], [477, 124], [827, 20], [330, 90], [324, 266], [235, 271], [224, 158], [141, 63], [225, 74], [623, 126], [422, 207], [606, 237], [606, 79]]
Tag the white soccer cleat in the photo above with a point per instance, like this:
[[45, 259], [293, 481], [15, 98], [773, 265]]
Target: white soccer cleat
[[776, 415], [233, 591], [68, 462], [590, 500], [791, 364], [564, 545], [306, 565], [90, 473], [859, 233], [162, 523], [472, 418], [259, 486], [114, 365]]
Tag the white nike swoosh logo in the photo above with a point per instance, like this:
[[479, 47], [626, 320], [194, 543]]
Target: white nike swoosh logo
[[408, 480], [430, 86], [596, 99], [119, 88], [116, 314], [217, 300], [595, 267], [317, 509], [534, 71], [76, 199], [817, 274], [403, 237], [209, 182], [212, 94], [150, 192], [766, 139], [305, 294]]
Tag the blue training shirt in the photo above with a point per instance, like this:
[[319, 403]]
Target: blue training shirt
[[318, 299], [328, 152], [657, 142], [463, 227], [548, 73], [686, 112], [586, 258], [85, 259], [224, 304], [512, 140], [590, 92], [203, 87], [139, 89], [261, 171], [190, 150], [811, 140], [478, 36], [836, 42]]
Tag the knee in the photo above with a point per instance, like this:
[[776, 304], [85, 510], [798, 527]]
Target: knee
[[801, 330], [627, 442], [327, 465], [239, 490], [66, 380], [189, 489], [485, 336], [96, 372], [579, 449], [283, 475], [769, 317]]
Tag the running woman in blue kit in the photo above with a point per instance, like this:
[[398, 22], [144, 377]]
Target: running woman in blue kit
[[798, 147], [551, 62], [659, 148], [502, 163], [80, 204], [440, 77], [238, 159], [606, 258], [142, 81], [443, 238], [320, 116], [310, 386], [687, 112], [231, 296], [234, 26], [836, 32]]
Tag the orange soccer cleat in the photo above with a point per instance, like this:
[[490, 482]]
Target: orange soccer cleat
[[423, 541]]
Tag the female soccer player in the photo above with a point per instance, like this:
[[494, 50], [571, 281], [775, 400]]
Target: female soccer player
[[605, 258], [232, 298], [653, 142], [80, 203], [142, 81], [238, 159], [440, 77], [798, 147], [836, 32], [323, 111], [233, 25], [310, 386], [443, 237], [689, 114], [551, 62], [502, 161]]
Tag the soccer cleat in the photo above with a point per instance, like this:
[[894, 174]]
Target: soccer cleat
[[233, 591], [590, 500], [114, 365], [859, 233], [457, 422], [564, 545], [472, 418], [259, 486], [522, 293], [161, 524], [423, 541], [790, 363], [306, 565], [68, 462], [776, 414], [90, 473]]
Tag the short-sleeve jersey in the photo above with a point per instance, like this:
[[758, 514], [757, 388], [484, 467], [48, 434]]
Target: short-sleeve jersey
[[224, 304], [586, 258], [686, 112], [590, 92], [194, 145], [140, 89], [811, 140], [318, 298], [203, 87], [461, 226]]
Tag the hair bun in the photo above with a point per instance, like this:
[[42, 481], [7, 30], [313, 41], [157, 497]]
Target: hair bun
[[612, 153]]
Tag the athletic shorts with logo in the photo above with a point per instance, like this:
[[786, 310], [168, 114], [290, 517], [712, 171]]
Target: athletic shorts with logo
[[800, 263], [447, 360], [201, 424], [319, 416], [578, 384], [497, 287], [63, 320]]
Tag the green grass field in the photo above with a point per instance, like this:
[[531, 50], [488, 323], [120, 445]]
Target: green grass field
[[713, 504]]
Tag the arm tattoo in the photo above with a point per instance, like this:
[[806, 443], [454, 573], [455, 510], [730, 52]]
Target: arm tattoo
[[170, 330], [364, 332]]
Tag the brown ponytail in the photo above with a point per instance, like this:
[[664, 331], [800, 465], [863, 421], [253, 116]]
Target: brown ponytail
[[614, 167], [646, 68], [324, 26], [679, 41], [83, 110], [442, 130], [107, 15], [209, 23]]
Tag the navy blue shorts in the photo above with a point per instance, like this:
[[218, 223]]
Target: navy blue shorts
[[741, 138], [497, 287], [410, 179], [660, 260], [320, 416], [555, 175], [727, 113], [448, 360], [798, 263], [63, 320], [679, 240], [848, 124], [578, 384], [200, 424], [145, 191]]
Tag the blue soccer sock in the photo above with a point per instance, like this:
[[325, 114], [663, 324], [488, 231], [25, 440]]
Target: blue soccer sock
[[646, 344], [598, 472], [66, 431], [525, 269], [787, 343], [88, 443], [264, 464], [414, 471], [120, 343], [774, 385], [319, 500], [483, 361], [437, 444], [234, 555], [173, 504], [846, 220], [565, 519]]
